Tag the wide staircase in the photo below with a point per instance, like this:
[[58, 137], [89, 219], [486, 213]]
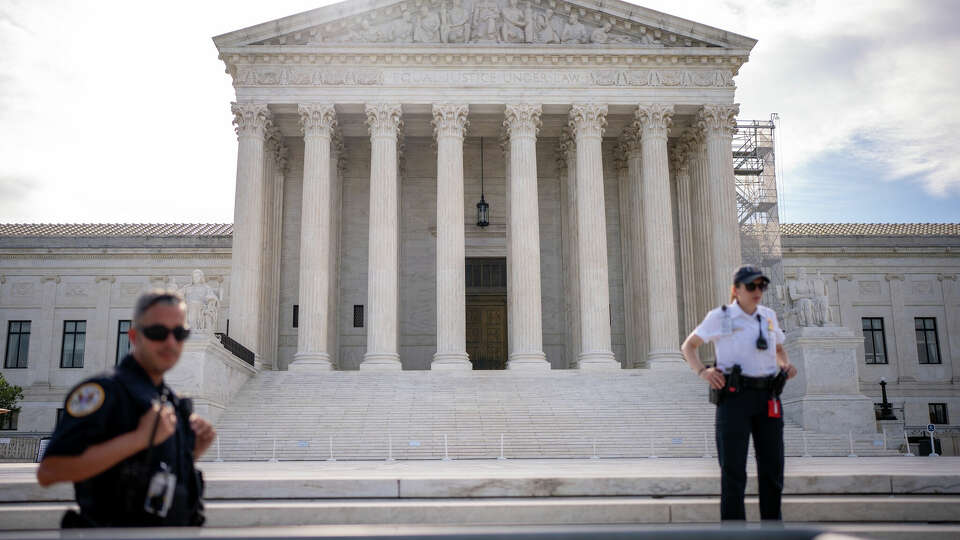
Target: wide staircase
[[285, 415]]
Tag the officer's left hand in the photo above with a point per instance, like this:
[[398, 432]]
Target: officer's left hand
[[791, 371], [204, 432]]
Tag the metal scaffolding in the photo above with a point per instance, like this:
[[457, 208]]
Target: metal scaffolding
[[754, 168]]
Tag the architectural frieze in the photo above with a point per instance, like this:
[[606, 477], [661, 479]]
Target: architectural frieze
[[323, 76]]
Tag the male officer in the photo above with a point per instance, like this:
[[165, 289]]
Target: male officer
[[126, 440]]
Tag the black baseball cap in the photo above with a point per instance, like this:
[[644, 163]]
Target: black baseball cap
[[749, 274]]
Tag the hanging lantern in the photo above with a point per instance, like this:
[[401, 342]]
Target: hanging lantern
[[483, 209]]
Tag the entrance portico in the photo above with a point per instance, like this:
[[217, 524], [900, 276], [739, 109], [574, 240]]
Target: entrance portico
[[397, 126]]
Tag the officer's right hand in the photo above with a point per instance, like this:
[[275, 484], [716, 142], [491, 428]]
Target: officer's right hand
[[713, 376], [165, 427]]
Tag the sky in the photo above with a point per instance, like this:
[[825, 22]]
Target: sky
[[118, 111]]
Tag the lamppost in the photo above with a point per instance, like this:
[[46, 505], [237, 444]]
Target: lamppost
[[483, 209], [886, 409]]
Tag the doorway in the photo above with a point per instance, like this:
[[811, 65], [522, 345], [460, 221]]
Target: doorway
[[486, 305]]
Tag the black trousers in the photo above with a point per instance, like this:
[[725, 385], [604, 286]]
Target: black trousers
[[739, 416]]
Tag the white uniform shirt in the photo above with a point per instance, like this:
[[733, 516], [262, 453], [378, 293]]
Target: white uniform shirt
[[734, 334]]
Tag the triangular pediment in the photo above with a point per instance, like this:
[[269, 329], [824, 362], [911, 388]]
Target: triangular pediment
[[504, 23]]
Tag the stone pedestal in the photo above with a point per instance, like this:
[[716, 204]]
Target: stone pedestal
[[825, 395], [208, 374]]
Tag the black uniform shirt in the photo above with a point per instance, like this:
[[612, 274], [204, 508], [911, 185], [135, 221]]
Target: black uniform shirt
[[109, 405]]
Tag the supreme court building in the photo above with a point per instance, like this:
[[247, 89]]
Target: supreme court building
[[605, 142], [456, 185]]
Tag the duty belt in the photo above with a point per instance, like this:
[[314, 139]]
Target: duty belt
[[757, 383]]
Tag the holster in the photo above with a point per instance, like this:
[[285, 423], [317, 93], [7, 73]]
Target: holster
[[779, 381]]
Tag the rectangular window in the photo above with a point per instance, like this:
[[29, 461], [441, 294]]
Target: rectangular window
[[938, 413], [296, 315], [874, 341], [928, 345], [8, 422], [74, 341], [358, 316], [18, 343], [123, 340]]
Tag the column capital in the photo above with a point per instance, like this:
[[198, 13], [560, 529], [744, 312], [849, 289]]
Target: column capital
[[384, 119], [718, 119], [654, 120], [693, 137], [522, 119], [317, 119], [587, 120], [450, 120], [277, 148], [251, 119], [567, 148], [679, 151], [109, 279], [894, 277], [630, 139]]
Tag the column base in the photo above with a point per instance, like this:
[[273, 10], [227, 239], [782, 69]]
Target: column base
[[381, 362], [597, 361], [451, 362], [666, 360], [528, 360], [304, 362]]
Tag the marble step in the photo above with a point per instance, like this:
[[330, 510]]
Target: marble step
[[529, 511]]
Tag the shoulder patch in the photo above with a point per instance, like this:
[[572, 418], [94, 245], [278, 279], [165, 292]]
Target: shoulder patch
[[85, 400]]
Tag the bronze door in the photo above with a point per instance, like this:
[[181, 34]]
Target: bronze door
[[487, 331]]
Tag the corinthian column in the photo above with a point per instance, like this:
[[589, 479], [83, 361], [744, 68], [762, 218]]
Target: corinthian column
[[523, 123], [654, 120], [679, 159], [637, 259], [571, 261], [449, 124], [252, 122], [318, 123], [586, 123], [383, 120], [718, 122]]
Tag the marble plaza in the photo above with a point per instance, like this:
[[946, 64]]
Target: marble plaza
[[541, 190]]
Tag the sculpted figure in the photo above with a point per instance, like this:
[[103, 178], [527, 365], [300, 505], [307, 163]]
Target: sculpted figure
[[202, 303], [427, 29], [402, 31], [515, 22], [821, 301], [454, 24], [486, 15], [371, 34], [802, 293], [574, 31], [544, 32], [600, 34]]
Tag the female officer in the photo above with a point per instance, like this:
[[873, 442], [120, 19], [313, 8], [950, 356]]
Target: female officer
[[749, 345]]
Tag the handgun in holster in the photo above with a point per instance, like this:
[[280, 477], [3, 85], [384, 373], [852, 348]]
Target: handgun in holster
[[732, 385], [779, 381]]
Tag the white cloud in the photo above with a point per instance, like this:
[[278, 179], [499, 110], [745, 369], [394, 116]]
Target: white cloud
[[119, 111]]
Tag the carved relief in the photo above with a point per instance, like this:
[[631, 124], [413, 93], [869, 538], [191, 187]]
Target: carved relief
[[923, 288], [484, 21], [75, 291], [319, 76], [808, 302]]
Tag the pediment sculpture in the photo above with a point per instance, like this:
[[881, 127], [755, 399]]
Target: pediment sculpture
[[203, 304], [482, 22]]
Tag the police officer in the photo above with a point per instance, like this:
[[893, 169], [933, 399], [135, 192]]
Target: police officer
[[126, 440], [749, 373]]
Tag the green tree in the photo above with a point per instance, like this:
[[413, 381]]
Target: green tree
[[10, 394]]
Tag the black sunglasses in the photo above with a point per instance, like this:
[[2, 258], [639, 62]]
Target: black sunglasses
[[159, 332], [750, 287]]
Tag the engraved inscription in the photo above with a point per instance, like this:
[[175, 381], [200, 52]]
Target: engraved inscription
[[317, 76]]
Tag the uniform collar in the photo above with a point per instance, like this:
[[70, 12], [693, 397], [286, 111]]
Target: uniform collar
[[130, 364], [736, 311]]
